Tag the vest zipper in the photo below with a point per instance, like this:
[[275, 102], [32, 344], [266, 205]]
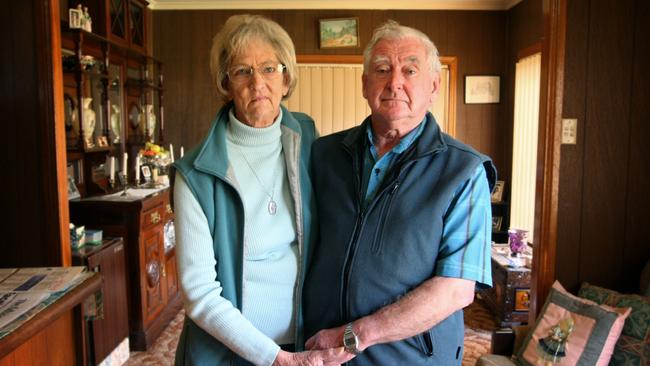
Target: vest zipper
[[379, 231], [352, 248]]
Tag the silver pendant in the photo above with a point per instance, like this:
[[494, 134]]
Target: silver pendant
[[272, 207]]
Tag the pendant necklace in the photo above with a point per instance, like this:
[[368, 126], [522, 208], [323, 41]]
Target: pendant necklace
[[272, 206]]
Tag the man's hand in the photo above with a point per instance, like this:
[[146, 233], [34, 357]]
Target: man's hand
[[326, 357], [326, 338]]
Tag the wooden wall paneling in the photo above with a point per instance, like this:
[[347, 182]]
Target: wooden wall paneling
[[477, 39], [33, 107], [571, 163], [607, 134], [637, 230]]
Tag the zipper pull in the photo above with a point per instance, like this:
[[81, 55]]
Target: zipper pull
[[395, 188]]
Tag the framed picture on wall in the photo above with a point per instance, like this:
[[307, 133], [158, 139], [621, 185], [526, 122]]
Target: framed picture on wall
[[482, 89], [339, 33]]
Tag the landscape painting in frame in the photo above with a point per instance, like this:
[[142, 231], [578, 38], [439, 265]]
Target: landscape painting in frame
[[339, 33]]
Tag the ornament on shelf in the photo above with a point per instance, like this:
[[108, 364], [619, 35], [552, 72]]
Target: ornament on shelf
[[116, 125], [88, 122]]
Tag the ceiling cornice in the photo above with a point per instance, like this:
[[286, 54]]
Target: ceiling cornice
[[334, 4]]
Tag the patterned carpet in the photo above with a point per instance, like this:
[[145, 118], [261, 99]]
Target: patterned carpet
[[479, 324]]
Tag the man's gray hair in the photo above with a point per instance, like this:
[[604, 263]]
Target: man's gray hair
[[234, 38], [393, 30]]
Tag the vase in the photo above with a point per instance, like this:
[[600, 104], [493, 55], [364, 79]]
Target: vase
[[149, 126], [116, 125], [88, 122], [517, 244]]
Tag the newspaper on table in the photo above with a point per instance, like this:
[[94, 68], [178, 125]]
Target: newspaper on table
[[14, 304], [24, 288]]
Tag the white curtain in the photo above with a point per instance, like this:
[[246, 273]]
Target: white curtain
[[331, 95], [524, 145]]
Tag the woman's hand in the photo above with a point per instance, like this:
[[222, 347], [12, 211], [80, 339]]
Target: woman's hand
[[325, 357]]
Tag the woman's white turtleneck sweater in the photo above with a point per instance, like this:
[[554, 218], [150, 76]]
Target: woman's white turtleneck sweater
[[270, 248]]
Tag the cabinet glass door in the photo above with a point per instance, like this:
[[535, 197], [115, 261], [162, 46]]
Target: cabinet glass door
[[117, 10], [116, 111], [136, 24]]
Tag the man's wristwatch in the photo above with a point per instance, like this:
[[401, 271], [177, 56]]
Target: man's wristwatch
[[350, 340]]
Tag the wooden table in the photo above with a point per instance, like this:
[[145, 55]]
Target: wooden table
[[36, 340]]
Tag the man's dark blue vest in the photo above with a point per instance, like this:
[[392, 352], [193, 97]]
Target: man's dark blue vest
[[368, 258]]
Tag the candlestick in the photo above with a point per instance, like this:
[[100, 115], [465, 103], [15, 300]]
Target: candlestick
[[112, 168], [137, 169], [182, 152], [124, 160], [171, 152]]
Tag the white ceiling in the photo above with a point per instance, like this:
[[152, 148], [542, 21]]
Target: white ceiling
[[334, 4]]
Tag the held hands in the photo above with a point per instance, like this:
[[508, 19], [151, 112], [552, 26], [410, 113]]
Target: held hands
[[325, 357], [326, 338]]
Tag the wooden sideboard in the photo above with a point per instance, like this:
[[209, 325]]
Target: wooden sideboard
[[509, 296], [140, 218]]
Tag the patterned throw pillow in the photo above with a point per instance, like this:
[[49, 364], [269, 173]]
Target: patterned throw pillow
[[633, 347], [590, 341]]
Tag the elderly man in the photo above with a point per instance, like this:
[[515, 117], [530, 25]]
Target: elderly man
[[405, 216]]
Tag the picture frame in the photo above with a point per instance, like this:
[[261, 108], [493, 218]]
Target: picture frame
[[496, 223], [497, 192], [102, 141], [482, 89], [74, 18], [522, 299], [339, 32], [146, 173]]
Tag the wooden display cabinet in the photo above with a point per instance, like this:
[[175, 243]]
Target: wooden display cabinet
[[153, 283], [117, 89]]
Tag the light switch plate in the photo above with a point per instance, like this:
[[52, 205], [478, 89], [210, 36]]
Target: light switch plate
[[569, 131]]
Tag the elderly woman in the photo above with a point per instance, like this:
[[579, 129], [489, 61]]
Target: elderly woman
[[244, 208]]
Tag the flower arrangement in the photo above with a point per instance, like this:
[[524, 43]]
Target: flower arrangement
[[517, 240], [155, 156]]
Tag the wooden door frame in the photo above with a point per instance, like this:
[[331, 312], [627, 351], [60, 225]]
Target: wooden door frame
[[548, 161], [450, 61]]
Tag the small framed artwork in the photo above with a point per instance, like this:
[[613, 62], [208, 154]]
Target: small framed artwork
[[497, 192], [522, 299], [339, 33], [74, 18], [102, 141], [496, 223], [146, 173], [482, 89]]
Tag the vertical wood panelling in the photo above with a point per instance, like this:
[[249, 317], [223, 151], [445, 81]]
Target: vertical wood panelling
[[477, 38], [637, 230], [572, 156], [606, 140], [602, 219]]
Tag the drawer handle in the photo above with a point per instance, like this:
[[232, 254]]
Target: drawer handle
[[169, 209], [155, 217]]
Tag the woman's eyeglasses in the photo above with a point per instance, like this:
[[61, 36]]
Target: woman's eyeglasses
[[244, 73]]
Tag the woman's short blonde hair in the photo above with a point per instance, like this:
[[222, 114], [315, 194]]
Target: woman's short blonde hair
[[236, 35]]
